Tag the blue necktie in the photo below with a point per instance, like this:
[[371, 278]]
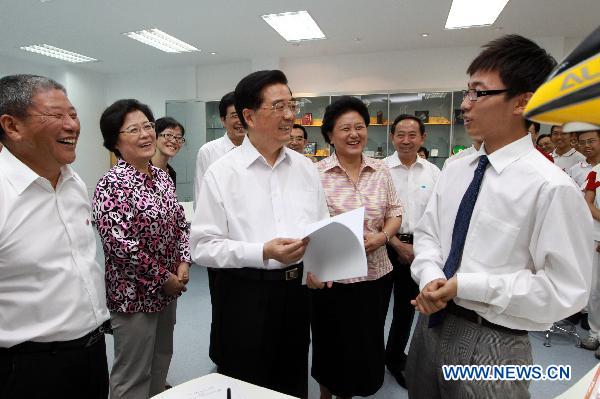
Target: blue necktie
[[461, 226]]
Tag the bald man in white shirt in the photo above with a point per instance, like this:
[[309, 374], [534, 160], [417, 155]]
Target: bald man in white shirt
[[52, 297]]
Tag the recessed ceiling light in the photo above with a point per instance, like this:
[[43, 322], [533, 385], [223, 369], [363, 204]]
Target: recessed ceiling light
[[161, 40], [295, 26], [55, 52], [358, 39], [469, 13], [213, 53], [424, 34]]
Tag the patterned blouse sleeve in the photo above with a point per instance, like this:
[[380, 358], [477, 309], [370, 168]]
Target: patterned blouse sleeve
[[184, 236], [394, 207], [113, 213]]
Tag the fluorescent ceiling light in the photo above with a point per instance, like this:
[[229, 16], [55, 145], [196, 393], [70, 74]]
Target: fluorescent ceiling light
[[55, 52], [295, 26], [161, 40], [468, 13]]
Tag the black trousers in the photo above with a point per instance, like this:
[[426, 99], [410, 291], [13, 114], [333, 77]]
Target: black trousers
[[262, 331], [70, 373], [212, 277], [405, 289]]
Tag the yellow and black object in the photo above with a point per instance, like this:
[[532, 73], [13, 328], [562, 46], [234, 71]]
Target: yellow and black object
[[572, 91]]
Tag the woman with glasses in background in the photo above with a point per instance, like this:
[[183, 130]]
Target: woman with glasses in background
[[169, 140], [145, 238]]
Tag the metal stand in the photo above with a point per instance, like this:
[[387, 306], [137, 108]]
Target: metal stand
[[564, 327]]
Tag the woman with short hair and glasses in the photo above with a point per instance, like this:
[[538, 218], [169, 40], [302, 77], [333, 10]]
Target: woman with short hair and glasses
[[169, 140], [145, 238]]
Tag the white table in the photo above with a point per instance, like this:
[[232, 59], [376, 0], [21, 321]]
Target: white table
[[214, 386]]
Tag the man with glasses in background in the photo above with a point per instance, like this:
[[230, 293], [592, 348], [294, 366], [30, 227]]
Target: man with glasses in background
[[249, 223], [298, 138], [497, 252], [564, 155]]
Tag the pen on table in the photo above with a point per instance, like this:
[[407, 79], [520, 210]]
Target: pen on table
[[228, 393]]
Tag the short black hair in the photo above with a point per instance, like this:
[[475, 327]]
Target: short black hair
[[167, 122], [521, 64], [226, 101], [553, 127], [536, 126], [588, 131], [412, 118], [541, 136], [113, 117], [17, 91], [297, 126], [249, 91], [338, 108], [424, 150]]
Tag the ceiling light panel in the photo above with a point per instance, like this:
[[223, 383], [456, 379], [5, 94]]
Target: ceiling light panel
[[161, 40], [469, 13], [295, 26], [55, 52]]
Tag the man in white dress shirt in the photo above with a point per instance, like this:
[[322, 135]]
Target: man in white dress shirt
[[215, 149], [207, 155], [496, 253], [255, 202], [414, 179], [564, 155], [52, 300], [588, 137]]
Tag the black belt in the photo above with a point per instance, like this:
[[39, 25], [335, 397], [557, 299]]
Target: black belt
[[290, 273], [405, 238], [473, 317], [86, 341]]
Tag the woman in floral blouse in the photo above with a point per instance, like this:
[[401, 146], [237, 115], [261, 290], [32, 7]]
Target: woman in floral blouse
[[146, 246], [348, 316]]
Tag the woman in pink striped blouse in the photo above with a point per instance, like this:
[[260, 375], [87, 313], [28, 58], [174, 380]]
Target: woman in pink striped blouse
[[348, 318]]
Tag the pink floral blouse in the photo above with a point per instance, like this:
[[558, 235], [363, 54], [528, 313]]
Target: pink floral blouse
[[375, 191], [144, 235]]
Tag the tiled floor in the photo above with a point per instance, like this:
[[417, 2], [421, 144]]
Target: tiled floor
[[190, 359]]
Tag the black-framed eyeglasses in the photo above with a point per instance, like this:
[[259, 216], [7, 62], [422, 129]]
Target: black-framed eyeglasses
[[134, 130], [172, 137], [473, 94]]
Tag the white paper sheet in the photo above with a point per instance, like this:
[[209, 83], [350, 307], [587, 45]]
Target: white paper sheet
[[336, 249]]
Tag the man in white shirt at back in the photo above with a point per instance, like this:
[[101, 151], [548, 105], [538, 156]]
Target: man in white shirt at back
[[207, 155], [498, 252], [564, 155], [588, 137], [52, 298], [414, 178]]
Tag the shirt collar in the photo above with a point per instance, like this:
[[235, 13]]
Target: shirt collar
[[333, 162], [20, 176], [227, 143], [250, 154], [394, 161], [136, 173], [506, 155], [566, 154]]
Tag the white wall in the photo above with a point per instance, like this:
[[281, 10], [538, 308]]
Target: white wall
[[213, 81], [153, 87]]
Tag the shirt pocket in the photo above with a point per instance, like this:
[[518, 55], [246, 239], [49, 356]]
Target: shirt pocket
[[492, 240]]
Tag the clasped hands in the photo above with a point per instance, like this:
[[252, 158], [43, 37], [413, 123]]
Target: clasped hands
[[435, 295], [176, 284]]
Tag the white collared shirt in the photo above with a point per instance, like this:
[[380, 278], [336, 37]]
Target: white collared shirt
[[246, 202], [51, 287], [414, 185], [579, 173], [207, 155], [568, 159], [527, 260]]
